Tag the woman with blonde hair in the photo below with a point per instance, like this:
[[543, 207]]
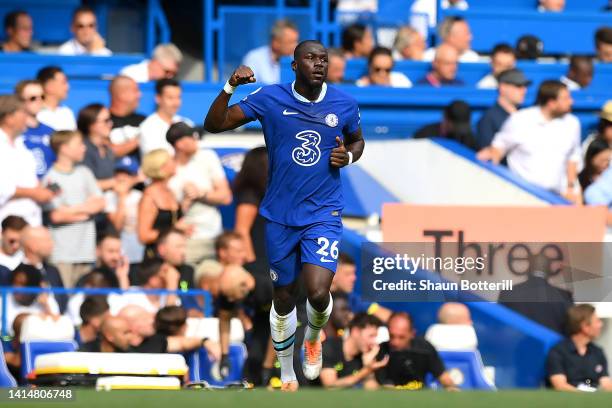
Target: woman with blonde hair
[[158, 210]]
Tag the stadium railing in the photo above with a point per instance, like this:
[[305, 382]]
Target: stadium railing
[[562, 33], [581, 5]]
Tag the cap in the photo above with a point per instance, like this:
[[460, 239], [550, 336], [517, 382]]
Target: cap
[[127, 164], [513, 77], [179, 130], [606, 111], [529, 47]]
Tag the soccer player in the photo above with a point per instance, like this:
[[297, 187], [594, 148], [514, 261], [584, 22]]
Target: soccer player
[[303, 123]]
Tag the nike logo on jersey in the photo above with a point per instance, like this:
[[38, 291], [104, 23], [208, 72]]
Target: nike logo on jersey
[[287, 113]]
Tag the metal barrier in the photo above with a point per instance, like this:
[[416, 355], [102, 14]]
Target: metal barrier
[[5, 290]]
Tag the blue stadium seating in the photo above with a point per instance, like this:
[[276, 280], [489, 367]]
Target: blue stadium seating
[[570, 5], [51, 18], [200, 366], [31, 349], [469, 364], [6, 379], [15, 67], [576, 37]]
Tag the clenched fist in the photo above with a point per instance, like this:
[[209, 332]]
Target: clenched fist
[[242, 75]]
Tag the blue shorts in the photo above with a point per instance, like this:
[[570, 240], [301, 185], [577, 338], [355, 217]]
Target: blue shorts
[[290, 247]]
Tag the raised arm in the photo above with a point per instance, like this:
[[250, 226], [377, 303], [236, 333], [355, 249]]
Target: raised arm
[[220, 117]]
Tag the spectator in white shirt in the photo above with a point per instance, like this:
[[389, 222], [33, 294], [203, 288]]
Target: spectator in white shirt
[[380, 71], [357, 41], [153, 129], [579, 74], [201, 180], [542, 143], [164, 63], [264, 61], [502, 59], [20, 190], [424, 12], [10, 251], [455, 31], [54, 114], [409, 45], [87, 40]]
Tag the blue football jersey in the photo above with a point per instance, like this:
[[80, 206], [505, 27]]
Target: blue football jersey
[[303, 187], [37, 140]]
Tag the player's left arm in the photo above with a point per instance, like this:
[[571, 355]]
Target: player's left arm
[[352, 143]]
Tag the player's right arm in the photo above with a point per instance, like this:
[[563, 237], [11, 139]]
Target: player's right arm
[[220, 117], [559, 383]]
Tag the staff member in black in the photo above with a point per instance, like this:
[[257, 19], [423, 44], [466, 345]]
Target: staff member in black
[[410, 357], [576, 363]]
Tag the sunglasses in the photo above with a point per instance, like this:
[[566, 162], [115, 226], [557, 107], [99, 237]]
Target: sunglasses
[[34, 98], [82, 26], [379, 69]]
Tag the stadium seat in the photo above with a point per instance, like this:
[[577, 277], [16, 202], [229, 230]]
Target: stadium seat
[[202, 369], [452, 337], [466, 370], [209, 327], [32, 349], [6, 379]]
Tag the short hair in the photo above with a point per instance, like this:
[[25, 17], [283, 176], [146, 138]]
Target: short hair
[[115, 80], [352, 33], [549, 90], [298, 48], [88, 116], [577, 60], [503, 48], [148, 269], [10, 20], [21, 86], [100, 238], [14, 222], [223, 240], [279, 27], [163, 236], [577, 315], [447, 25], [362, 320], [48, 73], [400, 315], [346, 259], [82, 10], [335, 52], [61, 137], [379, 50], [166, 52], [162, 83], [169, 320], [9, 104], [603, 36], [153, 162], [93, 306], [404, 37]]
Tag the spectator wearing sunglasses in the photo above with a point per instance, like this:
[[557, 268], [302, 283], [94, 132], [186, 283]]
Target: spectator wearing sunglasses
[[164, 64], [37, 135], [87, 40], [380, 71], [443, 68]]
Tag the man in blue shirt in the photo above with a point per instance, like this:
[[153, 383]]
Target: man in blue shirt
[[37, 136], [302, 122]]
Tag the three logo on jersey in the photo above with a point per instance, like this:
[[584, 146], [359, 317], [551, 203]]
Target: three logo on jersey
[[308, 153]]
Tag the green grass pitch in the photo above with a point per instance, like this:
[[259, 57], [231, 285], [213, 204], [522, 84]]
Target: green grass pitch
[[310, 398]]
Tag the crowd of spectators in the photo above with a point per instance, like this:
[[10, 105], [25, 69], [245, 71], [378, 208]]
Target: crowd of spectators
[[108, 197]]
